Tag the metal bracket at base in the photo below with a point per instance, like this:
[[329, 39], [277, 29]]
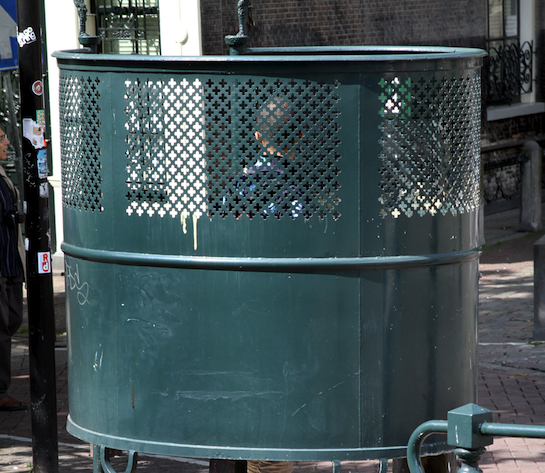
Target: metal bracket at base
[[102, 463]]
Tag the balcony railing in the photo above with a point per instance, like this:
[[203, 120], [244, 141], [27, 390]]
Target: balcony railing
[[128, 27], [510, 74]]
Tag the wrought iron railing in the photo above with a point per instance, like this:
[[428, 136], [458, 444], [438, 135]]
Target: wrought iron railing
[[502, 185], [510, 72]]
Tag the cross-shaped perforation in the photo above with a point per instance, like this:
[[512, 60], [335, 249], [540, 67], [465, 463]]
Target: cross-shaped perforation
[[231, 147], [80, 143], [430, 145]]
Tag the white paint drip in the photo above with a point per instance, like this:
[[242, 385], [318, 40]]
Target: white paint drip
[[195, 218]]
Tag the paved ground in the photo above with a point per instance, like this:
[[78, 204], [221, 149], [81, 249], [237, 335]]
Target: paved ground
[[512, 371]]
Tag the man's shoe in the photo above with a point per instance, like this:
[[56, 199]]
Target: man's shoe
[[11, 404]]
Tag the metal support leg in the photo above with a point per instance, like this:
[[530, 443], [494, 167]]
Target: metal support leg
[[336, 466], [132, 461], [97, 468]]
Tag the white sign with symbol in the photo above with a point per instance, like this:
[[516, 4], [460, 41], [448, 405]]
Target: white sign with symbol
[[44, 263]]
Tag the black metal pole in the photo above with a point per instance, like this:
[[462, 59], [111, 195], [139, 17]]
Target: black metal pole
[[41, 317]]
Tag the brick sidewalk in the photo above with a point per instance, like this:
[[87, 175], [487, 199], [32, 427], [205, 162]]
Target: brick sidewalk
[[515, 398]]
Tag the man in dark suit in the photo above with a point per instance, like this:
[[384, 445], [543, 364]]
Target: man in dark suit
[[11, 278]]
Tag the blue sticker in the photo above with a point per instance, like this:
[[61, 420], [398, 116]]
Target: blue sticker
[[42, 164]]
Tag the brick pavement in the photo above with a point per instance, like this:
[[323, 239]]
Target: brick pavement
[[512, 365], [511, 381]]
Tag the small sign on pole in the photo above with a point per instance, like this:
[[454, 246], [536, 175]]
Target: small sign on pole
[[44, 262]]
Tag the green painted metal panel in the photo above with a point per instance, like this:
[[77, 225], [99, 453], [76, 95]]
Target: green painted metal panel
[[272, 255]]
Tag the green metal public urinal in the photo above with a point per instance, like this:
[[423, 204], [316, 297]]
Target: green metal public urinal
[[271, 255]]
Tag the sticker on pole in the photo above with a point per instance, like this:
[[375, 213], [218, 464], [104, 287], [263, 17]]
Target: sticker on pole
[[44, 263], [42, 164], [38, 88]]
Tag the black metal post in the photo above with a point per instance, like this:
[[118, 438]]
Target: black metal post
[[41, 318]]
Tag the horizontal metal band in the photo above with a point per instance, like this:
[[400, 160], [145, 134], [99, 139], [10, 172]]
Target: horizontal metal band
[[237, 453], [269, 264]]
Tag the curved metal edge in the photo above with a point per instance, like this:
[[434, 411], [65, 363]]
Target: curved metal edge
[[268, 264], [282, 61], [417, 438], [275, 65], [297, 54], [241, 453]]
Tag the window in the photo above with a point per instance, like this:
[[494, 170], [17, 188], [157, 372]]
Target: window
[[510, 59], [128, 26]]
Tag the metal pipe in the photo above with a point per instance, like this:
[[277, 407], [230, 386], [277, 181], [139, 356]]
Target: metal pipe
[[513, 430], [418, 437]]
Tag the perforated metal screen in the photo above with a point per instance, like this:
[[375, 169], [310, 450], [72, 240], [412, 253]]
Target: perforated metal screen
[[430, 145], [232, 148], [246, 147], [80, 143]]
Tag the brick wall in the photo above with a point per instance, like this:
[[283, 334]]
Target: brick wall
[[348, 22]]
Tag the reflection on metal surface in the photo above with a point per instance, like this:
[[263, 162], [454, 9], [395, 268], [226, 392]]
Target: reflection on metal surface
[[431, 145]]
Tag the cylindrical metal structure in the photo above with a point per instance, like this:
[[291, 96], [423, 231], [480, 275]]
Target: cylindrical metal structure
[[271, 255]]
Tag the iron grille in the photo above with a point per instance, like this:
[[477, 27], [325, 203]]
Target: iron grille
[[510, 61], [510, 72], [128, 26]]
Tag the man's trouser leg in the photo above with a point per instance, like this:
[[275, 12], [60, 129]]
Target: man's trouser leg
[[11, 317], [261, 466]]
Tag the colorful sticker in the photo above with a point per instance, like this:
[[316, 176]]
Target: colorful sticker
[[42, 164], [40, 117], [44, 262]]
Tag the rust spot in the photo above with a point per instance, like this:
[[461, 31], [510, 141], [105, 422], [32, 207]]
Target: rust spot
[[132, 398]]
